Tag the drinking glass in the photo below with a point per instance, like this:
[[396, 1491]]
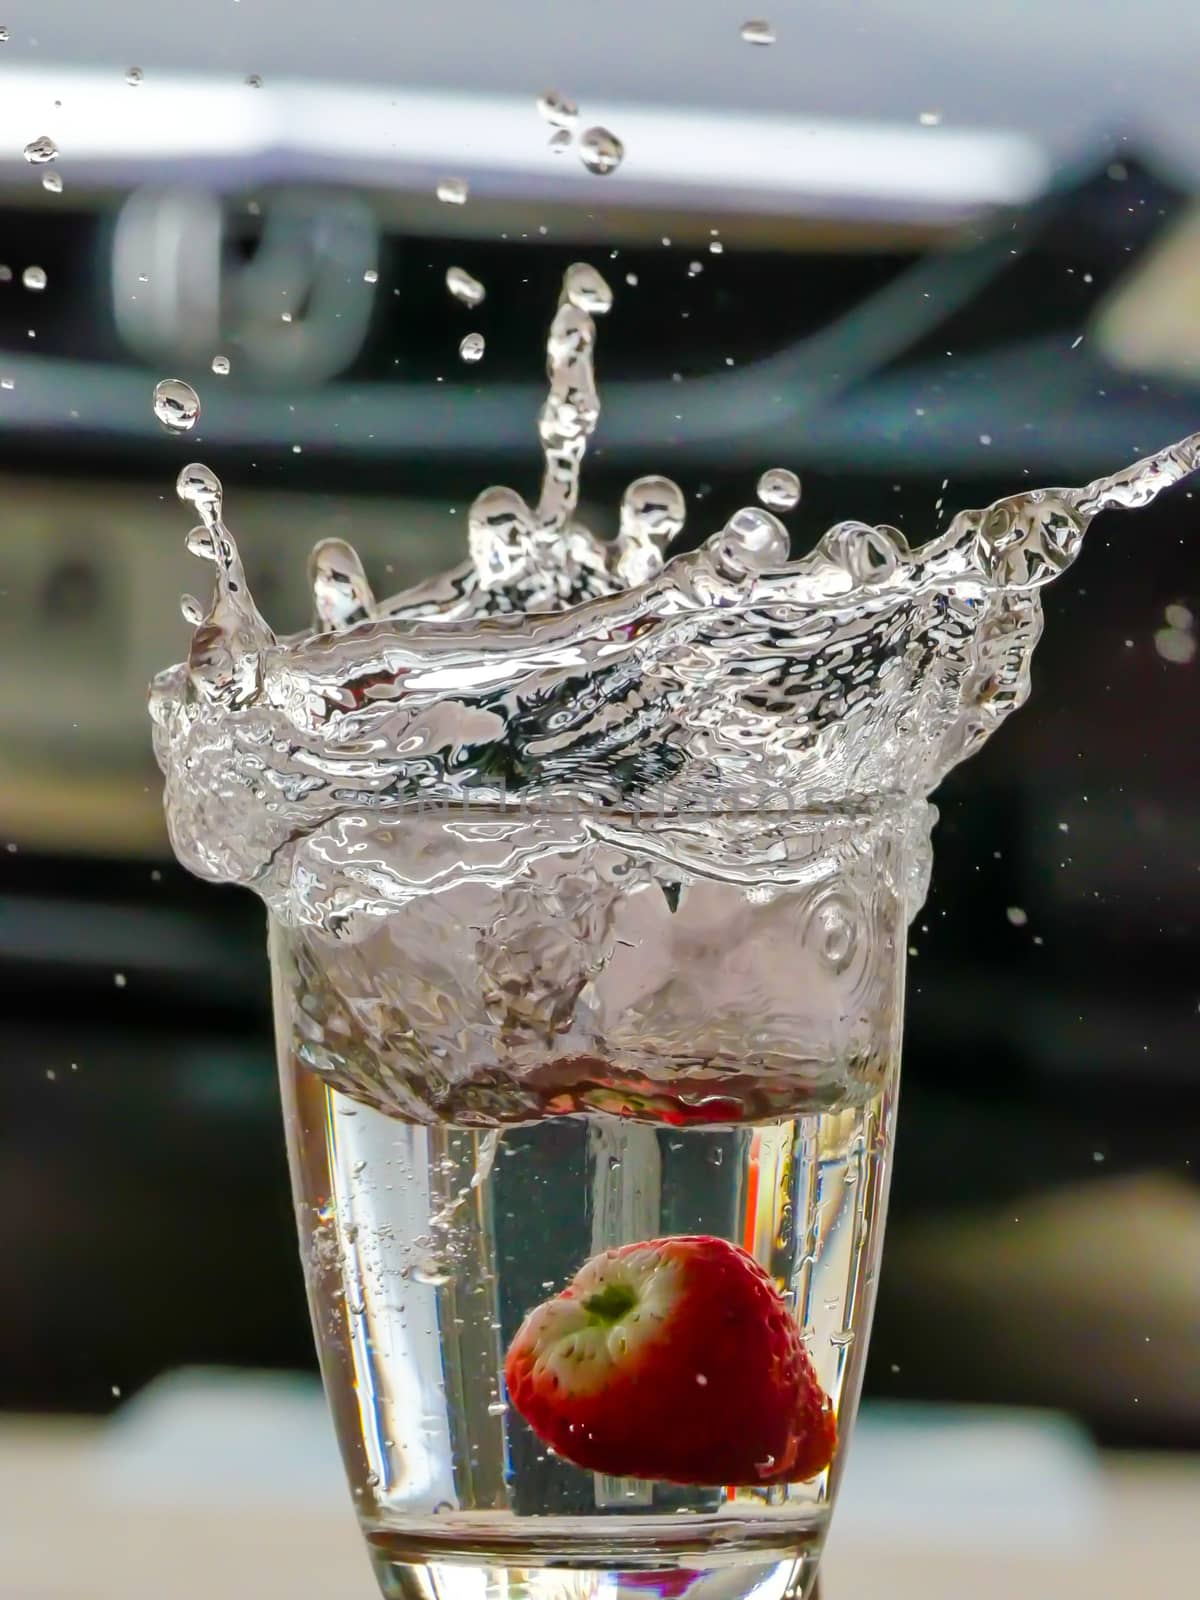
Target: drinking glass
[[551, 1035]]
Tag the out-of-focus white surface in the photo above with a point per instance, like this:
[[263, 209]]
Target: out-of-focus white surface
[[228, 1484]]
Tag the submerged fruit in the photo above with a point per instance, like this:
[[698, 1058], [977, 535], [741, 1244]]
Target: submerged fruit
[[674, 1359]]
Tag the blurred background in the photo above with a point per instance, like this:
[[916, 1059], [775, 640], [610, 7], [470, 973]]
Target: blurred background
[[921, 254]]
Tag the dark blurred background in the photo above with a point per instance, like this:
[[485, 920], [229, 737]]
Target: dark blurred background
[[892, 252]]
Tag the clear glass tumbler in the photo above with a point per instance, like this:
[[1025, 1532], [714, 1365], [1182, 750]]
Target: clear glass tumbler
[[551, 1037]]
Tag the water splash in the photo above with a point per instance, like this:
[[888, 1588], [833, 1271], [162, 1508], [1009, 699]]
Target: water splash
[[559, 666]]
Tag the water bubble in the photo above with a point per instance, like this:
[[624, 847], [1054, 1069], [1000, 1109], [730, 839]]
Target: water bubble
[[1017, 916], [371, 275], [464, 287], [176, 404], [471, 348], [453, 191], [586, 289], [39, 151], [559, 141], [431, 1272], [34, 278], [601, 151], [930, 119], [758, 32], [52, 182], [556, 109], [220, 365], [779, 488], [134, 76], [254, 80]]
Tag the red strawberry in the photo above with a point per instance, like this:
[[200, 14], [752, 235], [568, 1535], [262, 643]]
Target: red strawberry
[[675, 1359]]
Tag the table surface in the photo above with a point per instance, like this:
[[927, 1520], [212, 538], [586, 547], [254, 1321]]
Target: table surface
[[65, 1535]]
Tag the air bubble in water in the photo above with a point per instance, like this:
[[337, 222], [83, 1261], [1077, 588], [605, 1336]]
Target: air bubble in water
[[758, 32], [220, 365], [453, 191], [560, 140], [34, 278], [430, 1271], [464, 287], [176, 404], [472, 347], [39, 151], [52, 182], [600, 151], [134, 76], [779, 488], [556, 109]]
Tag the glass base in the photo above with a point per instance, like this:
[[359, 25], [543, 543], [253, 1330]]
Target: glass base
[[716, 1577]]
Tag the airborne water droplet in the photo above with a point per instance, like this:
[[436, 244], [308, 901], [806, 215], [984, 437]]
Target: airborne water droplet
[[758, 32], [176, 404], [134, 76], [34, 278], [464, 287], [560, 140], [40, 150], [220, 365], [779, 488], [930, 119], [472, 347], [431, 1272], [600, 151], [52, 182], [453, 191], [556, 109], [371, 275], [254, 80], [192, 610]]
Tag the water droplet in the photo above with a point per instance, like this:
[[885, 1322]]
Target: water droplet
[[34, 278], [842, 1337], [453, 191], [985, 438], [372, 1480], [631, 278], [751, 541], [431, 1272], [3, 35], [560, 140], [556, 109], [497, 1408], [1178, 616], [52, 182], [220, 365], [930, 119], [1176, 645], [695, 268], [371, 275], [254, 80], [600, 151], [199, 486], [758, 32], [716, 248], [471, 348], [716, 1157], [176, 404], [191, 609], [1097, 1155], [7, 383], [586, 289], [6, 274], [464, 287], [120, 980], [134, 76], [779, 488], [1017, 916], [40, 150]]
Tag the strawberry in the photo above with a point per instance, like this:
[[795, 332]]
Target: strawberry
[[676, 1359]]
